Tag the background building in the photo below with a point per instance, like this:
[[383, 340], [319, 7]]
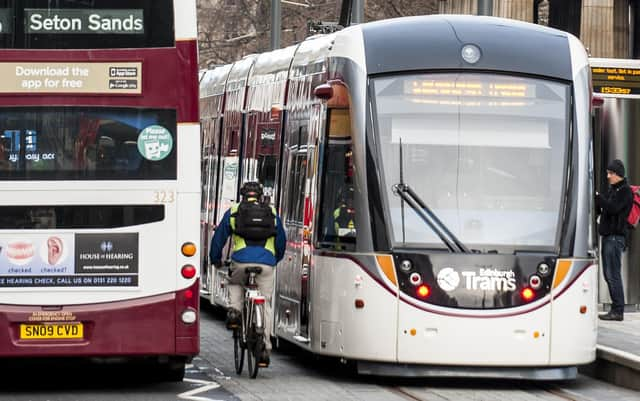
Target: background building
[[230, 29], [606, 27]]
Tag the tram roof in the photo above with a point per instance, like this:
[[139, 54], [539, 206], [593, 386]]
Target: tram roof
[[311, 55], [240, 73], [272, 66], [214, 81], [435, 42]]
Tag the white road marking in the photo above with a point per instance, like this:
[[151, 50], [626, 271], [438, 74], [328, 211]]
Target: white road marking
[[191, 394]]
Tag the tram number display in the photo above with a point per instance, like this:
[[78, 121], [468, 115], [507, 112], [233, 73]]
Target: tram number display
[[51, 331], [616, 80]]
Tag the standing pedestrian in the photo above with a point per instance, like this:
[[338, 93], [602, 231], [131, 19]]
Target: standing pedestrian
[[614, 207]]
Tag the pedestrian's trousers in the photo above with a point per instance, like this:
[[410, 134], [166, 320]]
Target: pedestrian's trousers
[[612, 247]]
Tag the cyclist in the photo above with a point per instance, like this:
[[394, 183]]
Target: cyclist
[[258, 240]]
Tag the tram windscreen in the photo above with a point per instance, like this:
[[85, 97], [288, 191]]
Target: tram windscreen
[[486, 152]]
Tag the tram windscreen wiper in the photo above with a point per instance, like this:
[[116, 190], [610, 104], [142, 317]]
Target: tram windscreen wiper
[[408, 195]]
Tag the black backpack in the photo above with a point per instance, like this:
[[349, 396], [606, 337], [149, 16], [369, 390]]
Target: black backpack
[[255, 221]]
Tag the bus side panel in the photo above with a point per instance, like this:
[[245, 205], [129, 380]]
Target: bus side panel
[[189, 165], [338, 327], [138, 327], [574, 334], [473, 341]]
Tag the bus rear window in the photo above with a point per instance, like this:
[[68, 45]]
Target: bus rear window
[[82, 24], [82, 143]]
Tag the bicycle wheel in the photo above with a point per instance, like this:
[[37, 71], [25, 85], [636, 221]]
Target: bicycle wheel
[[238, 350], [254, 349], [255, 342]]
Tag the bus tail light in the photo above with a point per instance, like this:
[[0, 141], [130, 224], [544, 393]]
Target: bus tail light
[[188, 271], [423, 291], [527, 294], [189, 316], [187, 306], [188, 249]]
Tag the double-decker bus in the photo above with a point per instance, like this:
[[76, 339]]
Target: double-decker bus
[[99, 180], [435, 178]]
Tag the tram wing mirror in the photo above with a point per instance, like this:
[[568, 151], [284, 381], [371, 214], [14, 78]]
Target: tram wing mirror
[[596, 101], [324, 91], [335, 92]]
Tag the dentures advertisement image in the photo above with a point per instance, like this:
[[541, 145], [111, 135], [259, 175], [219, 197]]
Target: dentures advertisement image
[[69, 260], [20, 252], [37, 254]]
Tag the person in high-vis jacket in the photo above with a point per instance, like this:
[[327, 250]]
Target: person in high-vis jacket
[[258, 240], [344, 224]]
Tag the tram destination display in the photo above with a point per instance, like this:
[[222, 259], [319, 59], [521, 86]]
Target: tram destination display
[[616, 80]]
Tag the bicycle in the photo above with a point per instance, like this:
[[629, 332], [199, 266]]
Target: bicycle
[[249, 336]]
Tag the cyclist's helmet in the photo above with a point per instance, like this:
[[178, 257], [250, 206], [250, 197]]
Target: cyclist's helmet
[[251, 189]]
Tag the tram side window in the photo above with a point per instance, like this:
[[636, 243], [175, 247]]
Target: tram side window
[[297, 170], [268, 155], [260, 157], [337, 228]]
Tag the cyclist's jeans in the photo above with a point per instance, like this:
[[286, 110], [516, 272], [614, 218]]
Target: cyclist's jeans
[[265, 285]]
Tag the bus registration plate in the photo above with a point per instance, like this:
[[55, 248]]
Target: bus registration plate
[[51, 331]]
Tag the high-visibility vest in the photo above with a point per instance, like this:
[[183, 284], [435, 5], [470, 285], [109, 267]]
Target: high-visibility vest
[[350, 223], [240, 243]]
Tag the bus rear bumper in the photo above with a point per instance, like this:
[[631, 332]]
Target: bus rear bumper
[[138, 327]]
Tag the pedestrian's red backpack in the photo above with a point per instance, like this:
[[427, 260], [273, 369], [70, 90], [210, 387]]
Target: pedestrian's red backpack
[[634, 215]]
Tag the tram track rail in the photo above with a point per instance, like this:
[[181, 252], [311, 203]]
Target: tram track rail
[[433, 396]]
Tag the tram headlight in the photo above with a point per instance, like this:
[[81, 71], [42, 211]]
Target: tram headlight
[[406, 265], [471, 53], [544, 269]]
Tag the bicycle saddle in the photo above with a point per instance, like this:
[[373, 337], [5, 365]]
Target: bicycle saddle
[[253, 269]]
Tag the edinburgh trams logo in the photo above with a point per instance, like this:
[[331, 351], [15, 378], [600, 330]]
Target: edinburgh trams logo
[[448, 279], [483, 280]]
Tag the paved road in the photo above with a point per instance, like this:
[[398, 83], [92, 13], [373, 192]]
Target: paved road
[[294, 375]]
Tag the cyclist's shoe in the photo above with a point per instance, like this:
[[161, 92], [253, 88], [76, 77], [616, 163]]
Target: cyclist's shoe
[[233, 319], [263, 362]]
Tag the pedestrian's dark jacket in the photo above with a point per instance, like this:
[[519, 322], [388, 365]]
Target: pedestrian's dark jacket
[[614, 207]]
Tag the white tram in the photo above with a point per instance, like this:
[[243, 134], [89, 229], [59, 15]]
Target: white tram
[[434, 175]]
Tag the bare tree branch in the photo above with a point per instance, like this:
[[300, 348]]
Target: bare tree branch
[[249, 23]]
